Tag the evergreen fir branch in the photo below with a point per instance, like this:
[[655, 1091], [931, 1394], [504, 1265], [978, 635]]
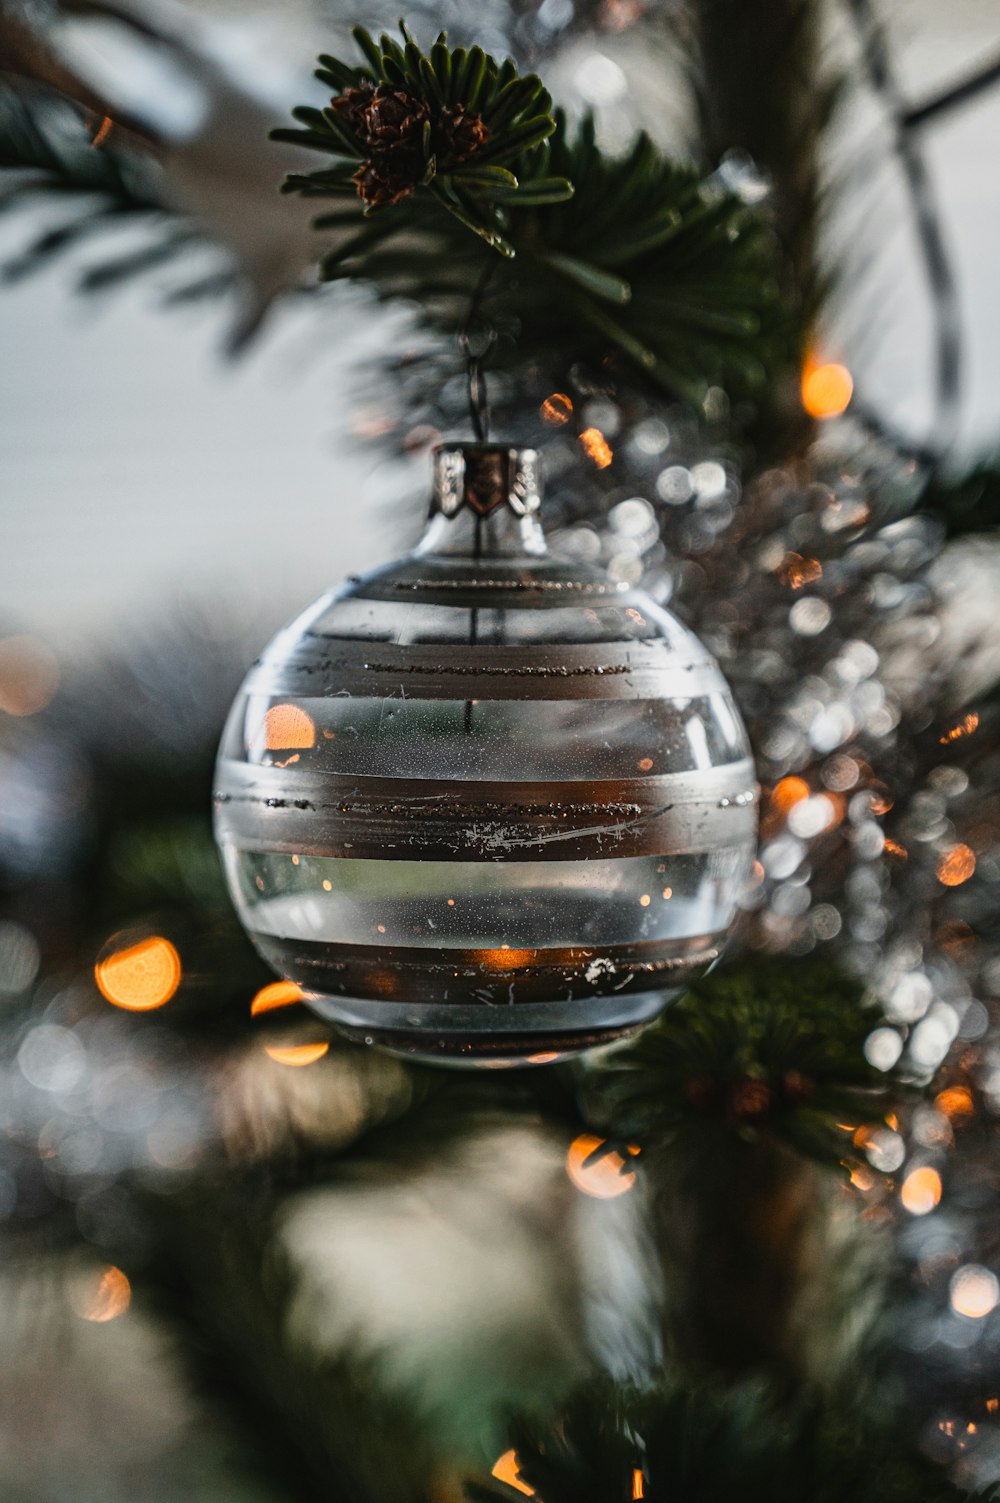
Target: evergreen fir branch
[[764, 1048], [712, 1445], [48, 155], [449, 120], [968, 502], [646, 268]]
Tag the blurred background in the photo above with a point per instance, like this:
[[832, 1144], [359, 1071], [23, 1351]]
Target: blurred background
[[246, 1261]]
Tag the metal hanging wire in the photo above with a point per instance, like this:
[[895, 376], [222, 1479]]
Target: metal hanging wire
[[476, 350], [475, 355]]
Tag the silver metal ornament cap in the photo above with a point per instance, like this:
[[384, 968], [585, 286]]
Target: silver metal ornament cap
[[485, 477]]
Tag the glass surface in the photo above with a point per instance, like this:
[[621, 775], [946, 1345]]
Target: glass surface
[[487, 905], [491, 739], [353, 733]]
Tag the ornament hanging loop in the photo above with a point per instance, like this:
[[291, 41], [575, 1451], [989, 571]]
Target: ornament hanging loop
[[475, 356]]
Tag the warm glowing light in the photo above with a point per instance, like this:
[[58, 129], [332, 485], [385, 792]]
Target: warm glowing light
[[596, 447], [956, 866], [862, 1179], [638, 1483], [602, 1175], [796, 571], [141, 977], [505, 959], [287, 728], [556, 409], [103, 1298], [921, 1191], [955, 1101], [992, 1405], [668, 893], [508, 1469], [974, 1291], [788, 793], [296, 1054], [103, 131], [645, 900], [894, 848], [965, 727], [826, 389], [645, 764], [278, 994], [541, 1059], [327, 885], [29, 675]]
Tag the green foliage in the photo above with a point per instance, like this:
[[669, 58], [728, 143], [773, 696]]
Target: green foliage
[[439, 89], [47, 152], [667, 1445], [770, 1047], [968, 502], [644, 266]]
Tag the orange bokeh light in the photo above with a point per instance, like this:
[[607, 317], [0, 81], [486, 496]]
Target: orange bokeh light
[[956, 866], [638, 1483], [955, 1101], [29, 675], [965, 727], [507, 1469], [104, 1298], [556, 409], [602, 1175], [505, 959], [296, 1054], [826, 389], [797, 571], [921, 1190], [596, 447], [788, 793], [142, 976], [288, 728], [278, 994]]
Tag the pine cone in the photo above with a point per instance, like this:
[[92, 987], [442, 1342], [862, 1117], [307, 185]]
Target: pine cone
[[458, 137], [389, 124]]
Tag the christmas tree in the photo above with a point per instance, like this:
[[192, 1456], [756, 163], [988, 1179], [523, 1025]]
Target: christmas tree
[[749, 1248]]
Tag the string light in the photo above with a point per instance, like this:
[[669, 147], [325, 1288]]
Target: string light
[[826, 389], [296, 1055], [278, 994], [140, 977], [956, 866], [508, 1469], [596, 447], [602, 1175]]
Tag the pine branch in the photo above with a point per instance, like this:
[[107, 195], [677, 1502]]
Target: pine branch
[[770, 1049], [50, 153], [610, 1444], [632, 260], [450, 123]]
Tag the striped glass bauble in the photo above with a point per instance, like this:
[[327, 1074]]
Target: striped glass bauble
[[485, 805]]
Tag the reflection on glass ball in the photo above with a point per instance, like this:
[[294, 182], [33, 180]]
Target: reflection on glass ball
[[483, 805]]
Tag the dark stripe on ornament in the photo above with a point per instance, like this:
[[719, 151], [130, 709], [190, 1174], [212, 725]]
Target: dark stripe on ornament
[[266, 809], [450, 671], [454, 977]]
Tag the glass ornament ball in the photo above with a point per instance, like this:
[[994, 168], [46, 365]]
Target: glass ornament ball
[[484, 805]]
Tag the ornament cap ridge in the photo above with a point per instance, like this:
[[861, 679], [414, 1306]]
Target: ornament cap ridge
[[484, 477]]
